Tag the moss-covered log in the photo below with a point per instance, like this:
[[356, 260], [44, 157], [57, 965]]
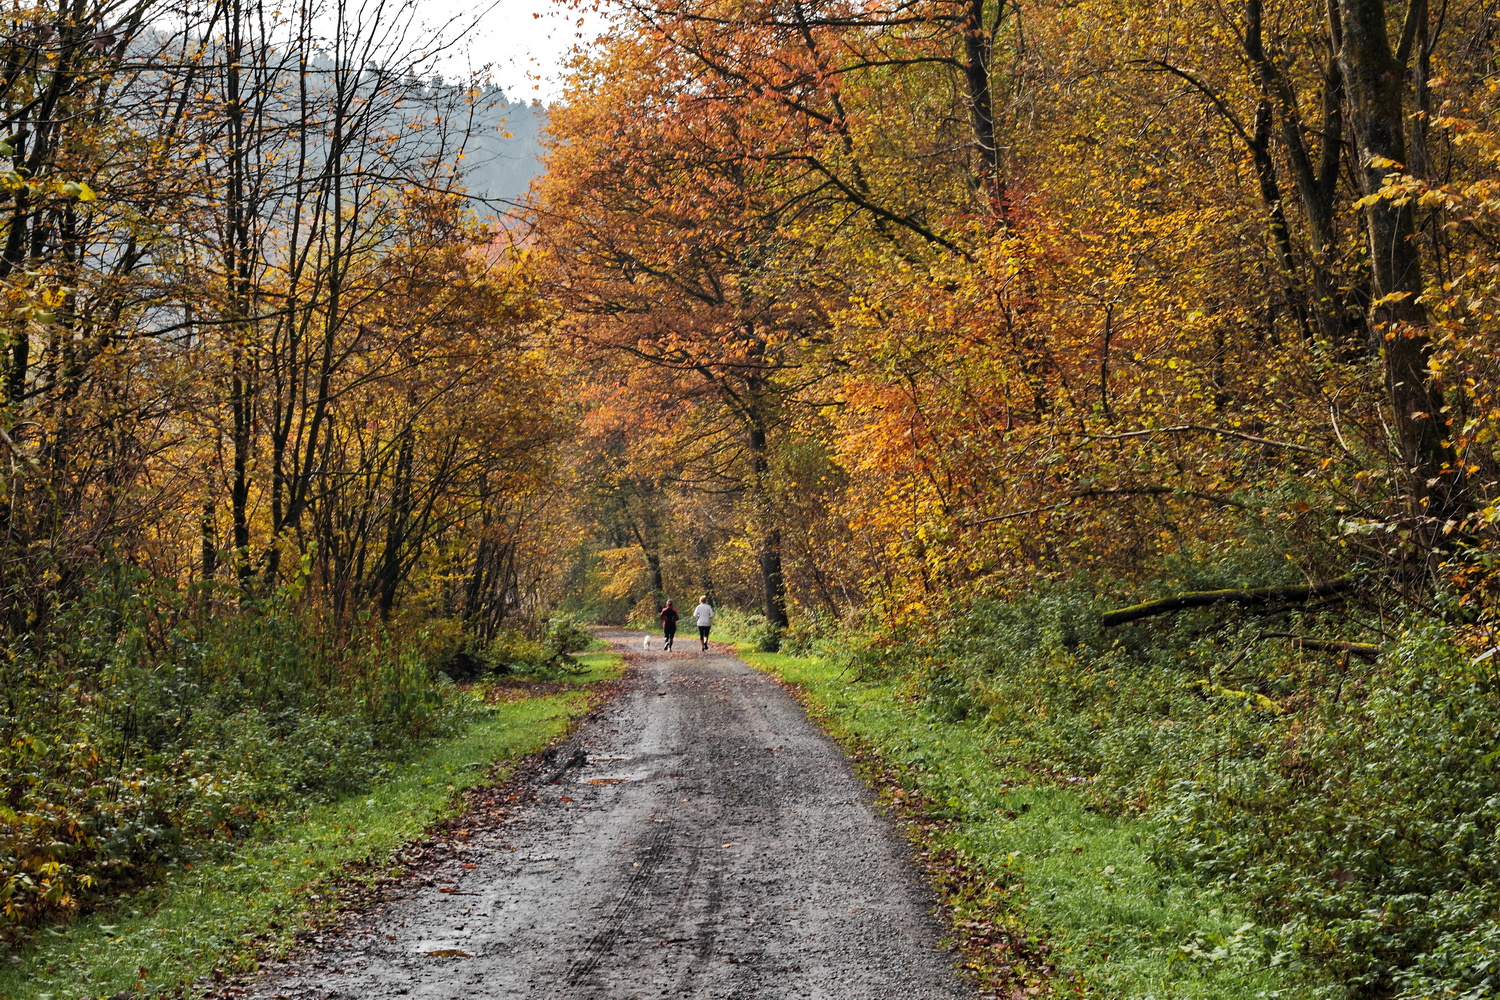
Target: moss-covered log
[[1363, 650], [1248, 597]]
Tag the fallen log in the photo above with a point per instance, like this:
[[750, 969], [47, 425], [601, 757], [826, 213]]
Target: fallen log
[[1363, 650], [1252, 596]]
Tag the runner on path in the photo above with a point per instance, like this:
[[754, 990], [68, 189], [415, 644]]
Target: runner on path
[[703, 614], [669, 618]]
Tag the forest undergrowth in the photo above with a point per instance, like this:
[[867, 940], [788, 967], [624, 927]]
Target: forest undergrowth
[[149, 726]]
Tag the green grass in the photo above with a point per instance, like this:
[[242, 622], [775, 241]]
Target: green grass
[[224, 913], [1121, 925]]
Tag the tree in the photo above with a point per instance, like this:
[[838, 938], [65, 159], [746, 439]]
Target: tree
[[1378, 75], [657, 272]]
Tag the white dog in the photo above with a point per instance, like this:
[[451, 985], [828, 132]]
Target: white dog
[[646, 642]]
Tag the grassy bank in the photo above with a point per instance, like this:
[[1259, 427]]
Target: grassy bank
[[217, 917], [1117, 925]]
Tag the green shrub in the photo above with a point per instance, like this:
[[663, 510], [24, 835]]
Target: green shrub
[[734, 625], [1369, 829], [644, 615], [809, 635], [548, 656], [567, 635], [730, 624], [765, 636], [514, 652]]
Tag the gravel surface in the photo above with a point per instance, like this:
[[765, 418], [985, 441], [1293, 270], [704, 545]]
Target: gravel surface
[[716, 844]]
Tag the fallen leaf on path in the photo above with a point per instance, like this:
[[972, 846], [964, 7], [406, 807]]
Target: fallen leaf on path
[[448, 953], [603, 781]]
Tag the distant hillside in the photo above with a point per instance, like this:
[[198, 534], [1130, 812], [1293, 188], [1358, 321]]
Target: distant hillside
[[503, 156]]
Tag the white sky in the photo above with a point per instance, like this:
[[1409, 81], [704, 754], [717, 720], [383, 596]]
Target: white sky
[[525, 51]]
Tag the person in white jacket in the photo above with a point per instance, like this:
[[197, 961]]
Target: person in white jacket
[[703, 614]]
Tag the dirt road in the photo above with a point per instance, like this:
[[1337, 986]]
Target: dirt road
[[715, 845]]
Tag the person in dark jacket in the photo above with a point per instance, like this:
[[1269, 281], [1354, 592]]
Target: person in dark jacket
[[669, 618]]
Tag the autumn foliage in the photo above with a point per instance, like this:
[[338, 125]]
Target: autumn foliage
[[900, 315], [1052, 287], [276, 440], [931, 330]]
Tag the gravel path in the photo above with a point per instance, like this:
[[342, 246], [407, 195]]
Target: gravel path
[[716, 844]]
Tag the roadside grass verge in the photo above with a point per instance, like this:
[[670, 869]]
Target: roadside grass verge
[[219, 916], [1082, 882]]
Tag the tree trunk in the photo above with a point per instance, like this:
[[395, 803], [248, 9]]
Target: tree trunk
[[773, 582], [209, 556], [771, 577], [1316, 182], [978, 53], [398, 524], [1254, 596], [658, 589], [653, 560], [1375, 79], [238, 268], [241, 405], [700, 555]]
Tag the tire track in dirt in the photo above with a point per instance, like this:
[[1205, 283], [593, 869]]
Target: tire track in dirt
[[602, 943]]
